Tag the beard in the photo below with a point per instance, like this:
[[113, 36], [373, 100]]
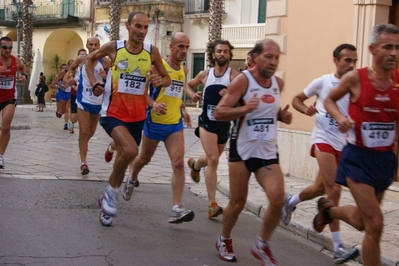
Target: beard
[[221, 63]]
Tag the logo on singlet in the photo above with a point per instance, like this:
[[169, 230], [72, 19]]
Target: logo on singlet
[[267, 98], [382, 98]]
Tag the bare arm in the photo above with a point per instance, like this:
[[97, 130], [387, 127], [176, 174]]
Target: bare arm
[[108, 49], [57, 80], [161, 78], [283, 115], [349, 84], [300, 106], [226, 110], [189, 88], [22, 70], [69, 77]]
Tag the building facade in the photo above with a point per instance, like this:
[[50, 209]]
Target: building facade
[[307, 32]]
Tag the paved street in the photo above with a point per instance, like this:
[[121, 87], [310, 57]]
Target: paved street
[[40, 149]]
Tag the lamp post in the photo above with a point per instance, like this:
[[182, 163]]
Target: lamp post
[[16, 8]]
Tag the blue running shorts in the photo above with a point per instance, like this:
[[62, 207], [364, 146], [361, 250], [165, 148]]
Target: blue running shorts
[[135, 128], [64, 96], [91, 108], [374, 168], [160, 132]]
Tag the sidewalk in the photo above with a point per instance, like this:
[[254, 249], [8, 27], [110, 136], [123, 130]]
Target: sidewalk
[[40, 149]]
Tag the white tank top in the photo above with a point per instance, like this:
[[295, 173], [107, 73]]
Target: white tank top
[[256, 133], [325, 129], [85, 91]]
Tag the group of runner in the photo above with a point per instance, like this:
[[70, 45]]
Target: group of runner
[[130, 89]]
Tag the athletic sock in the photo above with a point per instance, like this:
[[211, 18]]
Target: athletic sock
[[260, 243], [110, 149], [295, 200], [336, 238]]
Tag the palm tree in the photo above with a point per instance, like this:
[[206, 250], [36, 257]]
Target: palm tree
[[27, 46], [215, 20], [115, 19]]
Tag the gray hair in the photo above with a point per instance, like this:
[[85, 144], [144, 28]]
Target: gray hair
[[379, 29]]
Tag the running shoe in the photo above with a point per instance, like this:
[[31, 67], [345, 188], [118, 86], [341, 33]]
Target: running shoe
[[195, 174], [107, 202], [127, 188], [225, 249], [71, 127], [343, 255], [287, 210], [65, 126], [320, 220], [214, 210], [1, 162], [108, 155], [105, 219], [84, 169], [179, 215], [264, 255]]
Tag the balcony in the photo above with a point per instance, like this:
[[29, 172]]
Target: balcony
[[197, 11], [243, 36], [49, 13]]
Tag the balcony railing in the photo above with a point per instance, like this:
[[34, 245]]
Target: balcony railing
[[48, 9], [196, 6], [242, 36]]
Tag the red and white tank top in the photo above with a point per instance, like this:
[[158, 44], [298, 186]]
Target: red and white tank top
[[375, 115]]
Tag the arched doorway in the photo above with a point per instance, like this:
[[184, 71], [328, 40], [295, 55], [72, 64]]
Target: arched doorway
[[63, 44]]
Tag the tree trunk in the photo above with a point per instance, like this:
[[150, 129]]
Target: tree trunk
[[27, 46], [115, 19], [215, 20]]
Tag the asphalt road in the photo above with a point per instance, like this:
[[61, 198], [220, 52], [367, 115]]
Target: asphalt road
[[55, 222]]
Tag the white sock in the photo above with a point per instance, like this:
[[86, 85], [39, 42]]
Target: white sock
[[260, 243], [295, 200], [175, 207], [114, 190], [336, 238], [110, 149], [223, 238]]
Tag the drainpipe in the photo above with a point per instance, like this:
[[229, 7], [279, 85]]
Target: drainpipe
[[156, 12], [92, 14]]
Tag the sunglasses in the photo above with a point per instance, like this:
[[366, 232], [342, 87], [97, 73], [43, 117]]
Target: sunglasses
[[5, 47]]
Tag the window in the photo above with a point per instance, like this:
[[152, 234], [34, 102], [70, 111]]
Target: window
[[262, 11]]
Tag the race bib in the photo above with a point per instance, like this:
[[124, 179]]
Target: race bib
[[211, 112], [6, 83], [376, 134], [131, 84], [175, 89], [88, 93], [261, 128], [329, 123]]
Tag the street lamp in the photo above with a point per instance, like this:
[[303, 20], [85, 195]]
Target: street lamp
[[16, 8]]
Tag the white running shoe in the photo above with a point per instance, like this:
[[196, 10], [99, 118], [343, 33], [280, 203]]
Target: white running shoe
[[179, 215], [287, 210]]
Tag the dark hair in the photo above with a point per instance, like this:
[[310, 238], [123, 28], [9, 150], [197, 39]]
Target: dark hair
[[5, 38], [210, 49], [82, 50], [132, 14], [338, 50], [258, 48]]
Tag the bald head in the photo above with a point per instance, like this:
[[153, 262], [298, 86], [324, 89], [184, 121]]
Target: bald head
[[179, 47], [92, 44], [179, 36]]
